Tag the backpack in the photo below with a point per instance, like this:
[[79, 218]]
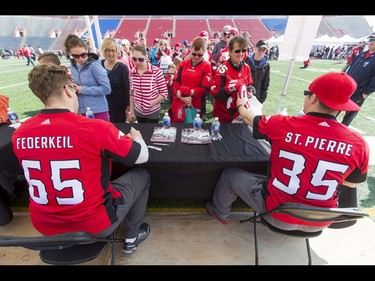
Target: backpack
[[4, 104]]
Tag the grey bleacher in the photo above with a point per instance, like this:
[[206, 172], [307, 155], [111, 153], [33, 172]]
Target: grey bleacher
[[9, 24], [357, 26]]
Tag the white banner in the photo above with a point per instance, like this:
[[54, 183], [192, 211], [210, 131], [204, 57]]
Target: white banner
[[299, 36]]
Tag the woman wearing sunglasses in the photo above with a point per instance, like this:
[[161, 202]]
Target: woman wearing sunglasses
[[147, 88], [230, 76], [89, 76], [192, 80]]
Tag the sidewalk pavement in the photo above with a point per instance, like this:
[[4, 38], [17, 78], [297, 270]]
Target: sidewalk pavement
[[199, 239]]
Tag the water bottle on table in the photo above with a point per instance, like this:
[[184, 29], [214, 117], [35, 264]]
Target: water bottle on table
[[12, 116], [215, 129], [197, 122], [166, 121], [89, 113]]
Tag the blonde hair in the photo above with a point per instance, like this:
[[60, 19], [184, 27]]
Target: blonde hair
[[109, 43]]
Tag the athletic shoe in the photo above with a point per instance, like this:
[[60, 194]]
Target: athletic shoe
[[144, 231], [212, 211]]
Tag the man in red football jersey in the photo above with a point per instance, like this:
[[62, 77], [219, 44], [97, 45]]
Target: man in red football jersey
[[314, 160], [229, 78], [67, 164]]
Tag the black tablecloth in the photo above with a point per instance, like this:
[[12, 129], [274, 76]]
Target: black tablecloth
[[191, 170], [9, 166], [179, 170]]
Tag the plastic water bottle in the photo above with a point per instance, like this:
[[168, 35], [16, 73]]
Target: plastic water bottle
[[12, 116], [215, 129], [300, 113], [166, 121], [89, 113], [284, 111], [197, 122]]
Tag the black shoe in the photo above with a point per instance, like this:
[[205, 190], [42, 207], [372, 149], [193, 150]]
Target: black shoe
[[144, 231]]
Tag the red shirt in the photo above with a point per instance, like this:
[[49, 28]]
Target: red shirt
[[226, 72], [67, 163], [198, 77], [311, 155]]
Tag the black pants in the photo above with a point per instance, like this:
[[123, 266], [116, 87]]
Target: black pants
[[350, 115]]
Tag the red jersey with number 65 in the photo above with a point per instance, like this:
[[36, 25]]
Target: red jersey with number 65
[[311, 155], [66, 160]]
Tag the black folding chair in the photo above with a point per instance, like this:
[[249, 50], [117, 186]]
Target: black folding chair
[[64, 249], [307, 213]]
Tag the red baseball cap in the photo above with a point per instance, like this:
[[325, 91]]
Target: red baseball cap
[[334, 89], [233, 31], [204, 34]]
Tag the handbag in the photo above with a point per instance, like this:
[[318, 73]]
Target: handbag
[[190, 113]]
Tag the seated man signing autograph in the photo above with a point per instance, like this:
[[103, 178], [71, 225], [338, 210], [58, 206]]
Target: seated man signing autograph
[[67, 164], [315, 160]]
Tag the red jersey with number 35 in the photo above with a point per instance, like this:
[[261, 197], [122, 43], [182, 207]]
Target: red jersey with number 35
[[66, 160], [311, 155]]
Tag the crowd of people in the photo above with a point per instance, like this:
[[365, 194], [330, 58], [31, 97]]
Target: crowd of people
[[314, 159]]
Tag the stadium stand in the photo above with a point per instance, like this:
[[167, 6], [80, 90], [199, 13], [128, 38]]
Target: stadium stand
[[49, 32], [130, 28], [159, 28]]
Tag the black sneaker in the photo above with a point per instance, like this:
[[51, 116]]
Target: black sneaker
[[144, 231]]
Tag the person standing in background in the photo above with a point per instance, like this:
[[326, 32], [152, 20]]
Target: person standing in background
[[125, 54], [362, 69], [221, 44], [27, 54], [260, 70], [353, 54], [90, 78], [147, 88], [229, 79], [192, 80], [118, 74]]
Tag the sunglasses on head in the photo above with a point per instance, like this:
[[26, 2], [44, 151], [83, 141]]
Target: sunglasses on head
[[82, 56], [195, 54], [139, 59], [239, 50]]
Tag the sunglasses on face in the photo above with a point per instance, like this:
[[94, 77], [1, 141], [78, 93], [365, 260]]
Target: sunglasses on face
[[307, 93], [139, 59], [239, 50], [371, 40], [82, 56], [74, 89], [195, 55]]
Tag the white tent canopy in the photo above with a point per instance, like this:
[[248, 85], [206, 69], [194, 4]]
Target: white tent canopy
[[275, 41], [326, 40]]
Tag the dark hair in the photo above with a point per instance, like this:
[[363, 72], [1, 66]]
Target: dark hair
[[239, 40], [198, 43], [140, 48], [49, 57], [72, 41]]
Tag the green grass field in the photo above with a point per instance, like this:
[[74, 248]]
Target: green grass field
[[14, 84]]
